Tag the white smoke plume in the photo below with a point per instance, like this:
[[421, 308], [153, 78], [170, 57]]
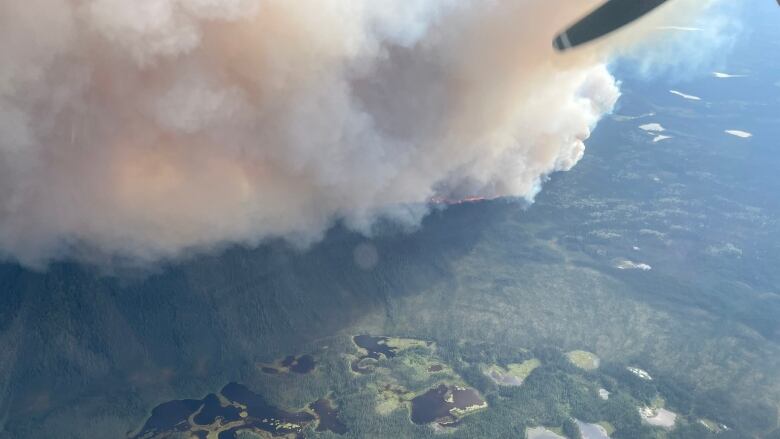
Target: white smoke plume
[[149, 128]]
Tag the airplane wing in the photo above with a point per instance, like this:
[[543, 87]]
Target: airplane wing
[[611, 16]]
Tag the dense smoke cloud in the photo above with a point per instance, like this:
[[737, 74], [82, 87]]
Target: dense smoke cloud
[[149, 128]]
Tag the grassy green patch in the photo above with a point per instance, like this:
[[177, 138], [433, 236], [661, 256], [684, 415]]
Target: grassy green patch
[[390, 397], [584, 359], [522, 370], [407, 343], [712, 425], [514, 374]]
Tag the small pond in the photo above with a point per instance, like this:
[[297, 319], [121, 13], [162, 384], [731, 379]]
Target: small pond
[[445, 404]]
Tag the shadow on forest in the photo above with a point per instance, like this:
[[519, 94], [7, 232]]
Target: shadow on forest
[[208, 319]]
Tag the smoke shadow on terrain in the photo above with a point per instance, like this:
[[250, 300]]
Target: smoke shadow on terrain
[[194, 326]]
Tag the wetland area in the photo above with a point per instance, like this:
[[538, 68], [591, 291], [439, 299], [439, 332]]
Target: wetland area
[[411, 375], [234, 409], [300, 365], [445, 405]]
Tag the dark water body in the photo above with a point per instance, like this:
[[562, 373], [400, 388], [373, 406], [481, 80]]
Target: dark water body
[[376, 346], [300, 365], [303, 364], [328, 415], [435, 368], [433, 405], [288, 361], [262, 415], [212, 410], [172, 417]]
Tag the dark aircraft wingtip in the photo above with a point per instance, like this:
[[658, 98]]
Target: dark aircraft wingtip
[[610, 16], [562, 43]]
